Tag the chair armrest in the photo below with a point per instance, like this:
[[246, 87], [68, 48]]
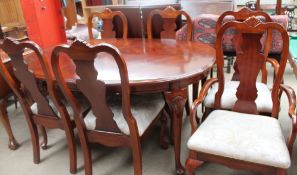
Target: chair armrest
[[292, 113], [198, 101], [274, 64]]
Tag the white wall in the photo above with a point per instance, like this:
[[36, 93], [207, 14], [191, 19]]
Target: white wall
[[242, 2], [150, 2]]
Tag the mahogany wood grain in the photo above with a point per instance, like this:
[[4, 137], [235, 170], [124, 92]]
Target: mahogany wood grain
[[108, 29], [248, 53], [155, 65], [24, 84], [242, 15], [106, 131], [169, 16], [5, 92]]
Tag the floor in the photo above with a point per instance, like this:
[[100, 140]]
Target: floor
[[108, 161]]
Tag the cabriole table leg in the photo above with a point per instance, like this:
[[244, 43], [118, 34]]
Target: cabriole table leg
[[176, 101]]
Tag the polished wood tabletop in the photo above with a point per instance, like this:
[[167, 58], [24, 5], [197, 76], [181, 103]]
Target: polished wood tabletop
[[167, 63], [161, 65]]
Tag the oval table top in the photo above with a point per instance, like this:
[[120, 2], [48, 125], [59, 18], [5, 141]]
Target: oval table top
[[153, 65]]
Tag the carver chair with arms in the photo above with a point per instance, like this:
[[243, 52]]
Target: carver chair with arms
[[241, 138], [228, 98], [116, 119], [107, 17], [42, 107]]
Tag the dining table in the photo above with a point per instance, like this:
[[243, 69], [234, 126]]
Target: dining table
[[166, 66]]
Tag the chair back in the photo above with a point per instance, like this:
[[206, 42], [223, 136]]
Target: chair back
[[107, 16], [250, 60], [22, 80], [84, 56], [242, 15], [169, 16]]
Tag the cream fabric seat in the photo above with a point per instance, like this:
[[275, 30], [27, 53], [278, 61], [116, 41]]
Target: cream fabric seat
[[81, 99], [246, 137], [263, 101], [144, 108]]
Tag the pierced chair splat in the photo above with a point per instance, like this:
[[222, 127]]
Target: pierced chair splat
[[116, 119], [229, 98], [248, 141], [42, 106], [107, 17]]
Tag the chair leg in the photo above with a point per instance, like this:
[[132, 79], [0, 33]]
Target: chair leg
[[15, 101], [167, 109], [163, 142], [43, 144], [12, 144], [86, 151], [71, 149], [206, 113], [187, 106], [137, 160], [281, 172], [191, 165]]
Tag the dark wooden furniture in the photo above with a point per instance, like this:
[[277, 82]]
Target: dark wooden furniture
[[137, 17], [151, 69], [116, 120], [242, 15], [244, 136], [6, 92], [229, 97], [169, 16], [40, 108], [107, 17]]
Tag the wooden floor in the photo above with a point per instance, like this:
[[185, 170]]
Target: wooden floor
[[108, 161]]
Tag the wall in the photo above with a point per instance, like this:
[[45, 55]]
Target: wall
[[242, 2], [11, 12]]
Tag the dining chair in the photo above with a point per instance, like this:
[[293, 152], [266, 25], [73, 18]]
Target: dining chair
[[169, 16], [107, 16], [43, 108], [242, 15], [229, 96], [241, 138], [116, 119], [5, 93]]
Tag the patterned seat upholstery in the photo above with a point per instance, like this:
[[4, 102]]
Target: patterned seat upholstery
[[243, 137], [204, 31]]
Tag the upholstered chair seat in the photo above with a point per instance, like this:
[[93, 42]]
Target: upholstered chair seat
[[84, 103], [228, 99], [246, 137], [145, 108]]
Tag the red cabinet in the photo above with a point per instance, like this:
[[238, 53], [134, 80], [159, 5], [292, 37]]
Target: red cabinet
[[44, 21]]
